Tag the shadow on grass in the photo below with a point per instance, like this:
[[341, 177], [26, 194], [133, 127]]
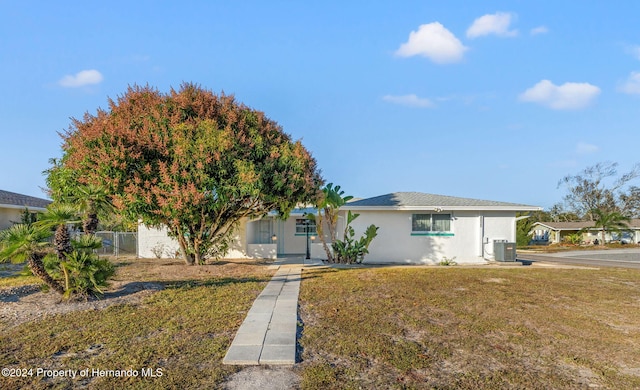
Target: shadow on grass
[[154, 286], [14, 294]]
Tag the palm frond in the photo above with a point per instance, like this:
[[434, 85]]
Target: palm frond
[[19, 241]]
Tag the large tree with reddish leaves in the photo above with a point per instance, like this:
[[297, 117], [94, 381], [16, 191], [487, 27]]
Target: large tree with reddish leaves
[[191, 160]]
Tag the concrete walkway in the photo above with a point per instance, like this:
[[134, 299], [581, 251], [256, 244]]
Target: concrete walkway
[[268, 333]]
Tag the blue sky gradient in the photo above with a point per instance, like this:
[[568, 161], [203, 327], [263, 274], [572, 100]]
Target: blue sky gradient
[[492, 100]]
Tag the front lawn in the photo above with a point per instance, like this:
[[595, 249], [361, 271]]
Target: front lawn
[[413, 327], [181, 332], [471, 328]]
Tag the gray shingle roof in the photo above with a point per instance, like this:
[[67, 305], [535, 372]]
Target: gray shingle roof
[[419, 199], [8, 198]]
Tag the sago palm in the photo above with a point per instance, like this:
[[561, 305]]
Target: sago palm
[[28, 242]]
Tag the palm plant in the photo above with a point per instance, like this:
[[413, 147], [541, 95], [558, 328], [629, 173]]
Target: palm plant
[[84, 272], [28, 242], [88, 273], [609, 222], [329, 201], [86, 243], [58, 216], [92, 201]]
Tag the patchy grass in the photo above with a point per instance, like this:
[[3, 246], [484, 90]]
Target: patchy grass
[[183, 330], [12, 275], [470, 328], [18, 280], [439, 327]]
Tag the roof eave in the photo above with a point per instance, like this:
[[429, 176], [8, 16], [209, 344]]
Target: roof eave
[[21, 207], [443, 208]]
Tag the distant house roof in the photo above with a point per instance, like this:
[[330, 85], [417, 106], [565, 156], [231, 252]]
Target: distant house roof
[[635, 223], [14, 200], [421, 201]]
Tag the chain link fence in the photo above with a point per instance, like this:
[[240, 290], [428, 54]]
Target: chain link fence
[[118, 243]]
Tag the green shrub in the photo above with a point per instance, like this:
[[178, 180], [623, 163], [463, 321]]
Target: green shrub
[[350, 250], [83, 273], [448, 261], [575, 238]]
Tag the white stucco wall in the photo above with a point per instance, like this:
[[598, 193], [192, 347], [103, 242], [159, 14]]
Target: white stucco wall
[[8, 217], [395, 244], [291, 243], [150, 238]]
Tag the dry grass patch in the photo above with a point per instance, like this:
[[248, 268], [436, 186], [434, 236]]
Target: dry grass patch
[[184, 329], [469, 328]]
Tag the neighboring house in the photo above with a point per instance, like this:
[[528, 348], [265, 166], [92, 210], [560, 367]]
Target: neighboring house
[[12, 205], [556, 232], [414, 228]]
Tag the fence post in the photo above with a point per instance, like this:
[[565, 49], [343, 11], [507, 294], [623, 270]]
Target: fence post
[[116, 251]]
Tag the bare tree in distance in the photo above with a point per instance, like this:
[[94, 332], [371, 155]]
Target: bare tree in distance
[[599, 187]]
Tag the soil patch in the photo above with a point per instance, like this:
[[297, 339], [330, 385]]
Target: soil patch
[[264, 378], [27, 303]]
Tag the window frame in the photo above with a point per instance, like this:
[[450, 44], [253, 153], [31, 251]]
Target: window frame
[[430, 229], [313, 231]]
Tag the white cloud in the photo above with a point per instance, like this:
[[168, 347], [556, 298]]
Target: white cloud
[[539, 30], [411, 100], [585, 148], [631, 85], [568, 96], [497, 24], [634, 50], [82, 78], [435, 42]]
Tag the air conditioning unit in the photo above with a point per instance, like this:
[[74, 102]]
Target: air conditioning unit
[[504, 250]]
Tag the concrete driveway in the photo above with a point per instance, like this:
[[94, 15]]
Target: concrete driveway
[[621, 258]]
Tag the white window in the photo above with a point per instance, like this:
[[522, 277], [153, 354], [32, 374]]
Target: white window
[[427, 223], [301, 226]]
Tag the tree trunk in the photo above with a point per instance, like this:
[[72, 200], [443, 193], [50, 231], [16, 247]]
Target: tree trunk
[[37, 267], [62, 242], [197, 258], [188, 258], [603, 234], [90, 224], [320, 231]]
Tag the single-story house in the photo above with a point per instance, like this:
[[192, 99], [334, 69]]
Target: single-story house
[[269, 237], [557, 232], [414, 228], [13, 204], [419, 228]]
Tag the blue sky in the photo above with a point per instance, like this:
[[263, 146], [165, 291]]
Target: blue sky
[[492, 100]]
